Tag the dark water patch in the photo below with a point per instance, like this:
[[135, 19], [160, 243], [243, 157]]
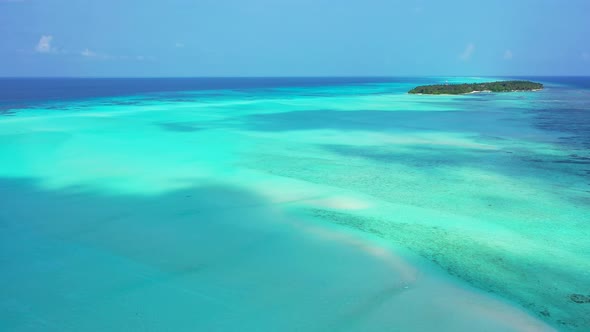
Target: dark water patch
[[438, 158], [7, 112], [490, 123], [579, 298], [56, 107], [183, 127], [124, 102], [574, 161], [180, 100], [574, 122], [415, 155], [491, 138]]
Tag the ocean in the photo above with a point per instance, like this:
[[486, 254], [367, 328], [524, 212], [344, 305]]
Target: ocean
[[293, 204]]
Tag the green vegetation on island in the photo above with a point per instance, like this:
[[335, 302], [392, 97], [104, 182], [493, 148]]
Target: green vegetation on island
[[457, 89]]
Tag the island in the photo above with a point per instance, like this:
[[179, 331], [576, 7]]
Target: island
[[457, 89]]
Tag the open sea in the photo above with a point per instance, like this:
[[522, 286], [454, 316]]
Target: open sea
[[293, 204]]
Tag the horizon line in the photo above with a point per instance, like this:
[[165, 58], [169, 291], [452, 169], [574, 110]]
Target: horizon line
[[294, 76]]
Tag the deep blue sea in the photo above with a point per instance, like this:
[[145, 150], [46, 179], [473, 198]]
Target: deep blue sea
[[27, 90], [24, 91], [293, 204]]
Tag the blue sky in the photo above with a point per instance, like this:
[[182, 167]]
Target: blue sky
[[293, 37]]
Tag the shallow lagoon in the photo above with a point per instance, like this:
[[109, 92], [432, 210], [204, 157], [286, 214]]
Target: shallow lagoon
[[330, 206]]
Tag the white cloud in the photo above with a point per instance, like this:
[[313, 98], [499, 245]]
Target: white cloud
[[508, 55], [468, 52], [44, 45], [88, 53]]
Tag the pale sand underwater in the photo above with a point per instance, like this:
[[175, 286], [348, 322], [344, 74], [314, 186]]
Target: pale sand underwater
[[326, 208]]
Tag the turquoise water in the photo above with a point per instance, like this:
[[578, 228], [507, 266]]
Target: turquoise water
[[291, 206]]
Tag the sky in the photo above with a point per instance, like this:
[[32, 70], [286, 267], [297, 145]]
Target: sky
[[131, 38]]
